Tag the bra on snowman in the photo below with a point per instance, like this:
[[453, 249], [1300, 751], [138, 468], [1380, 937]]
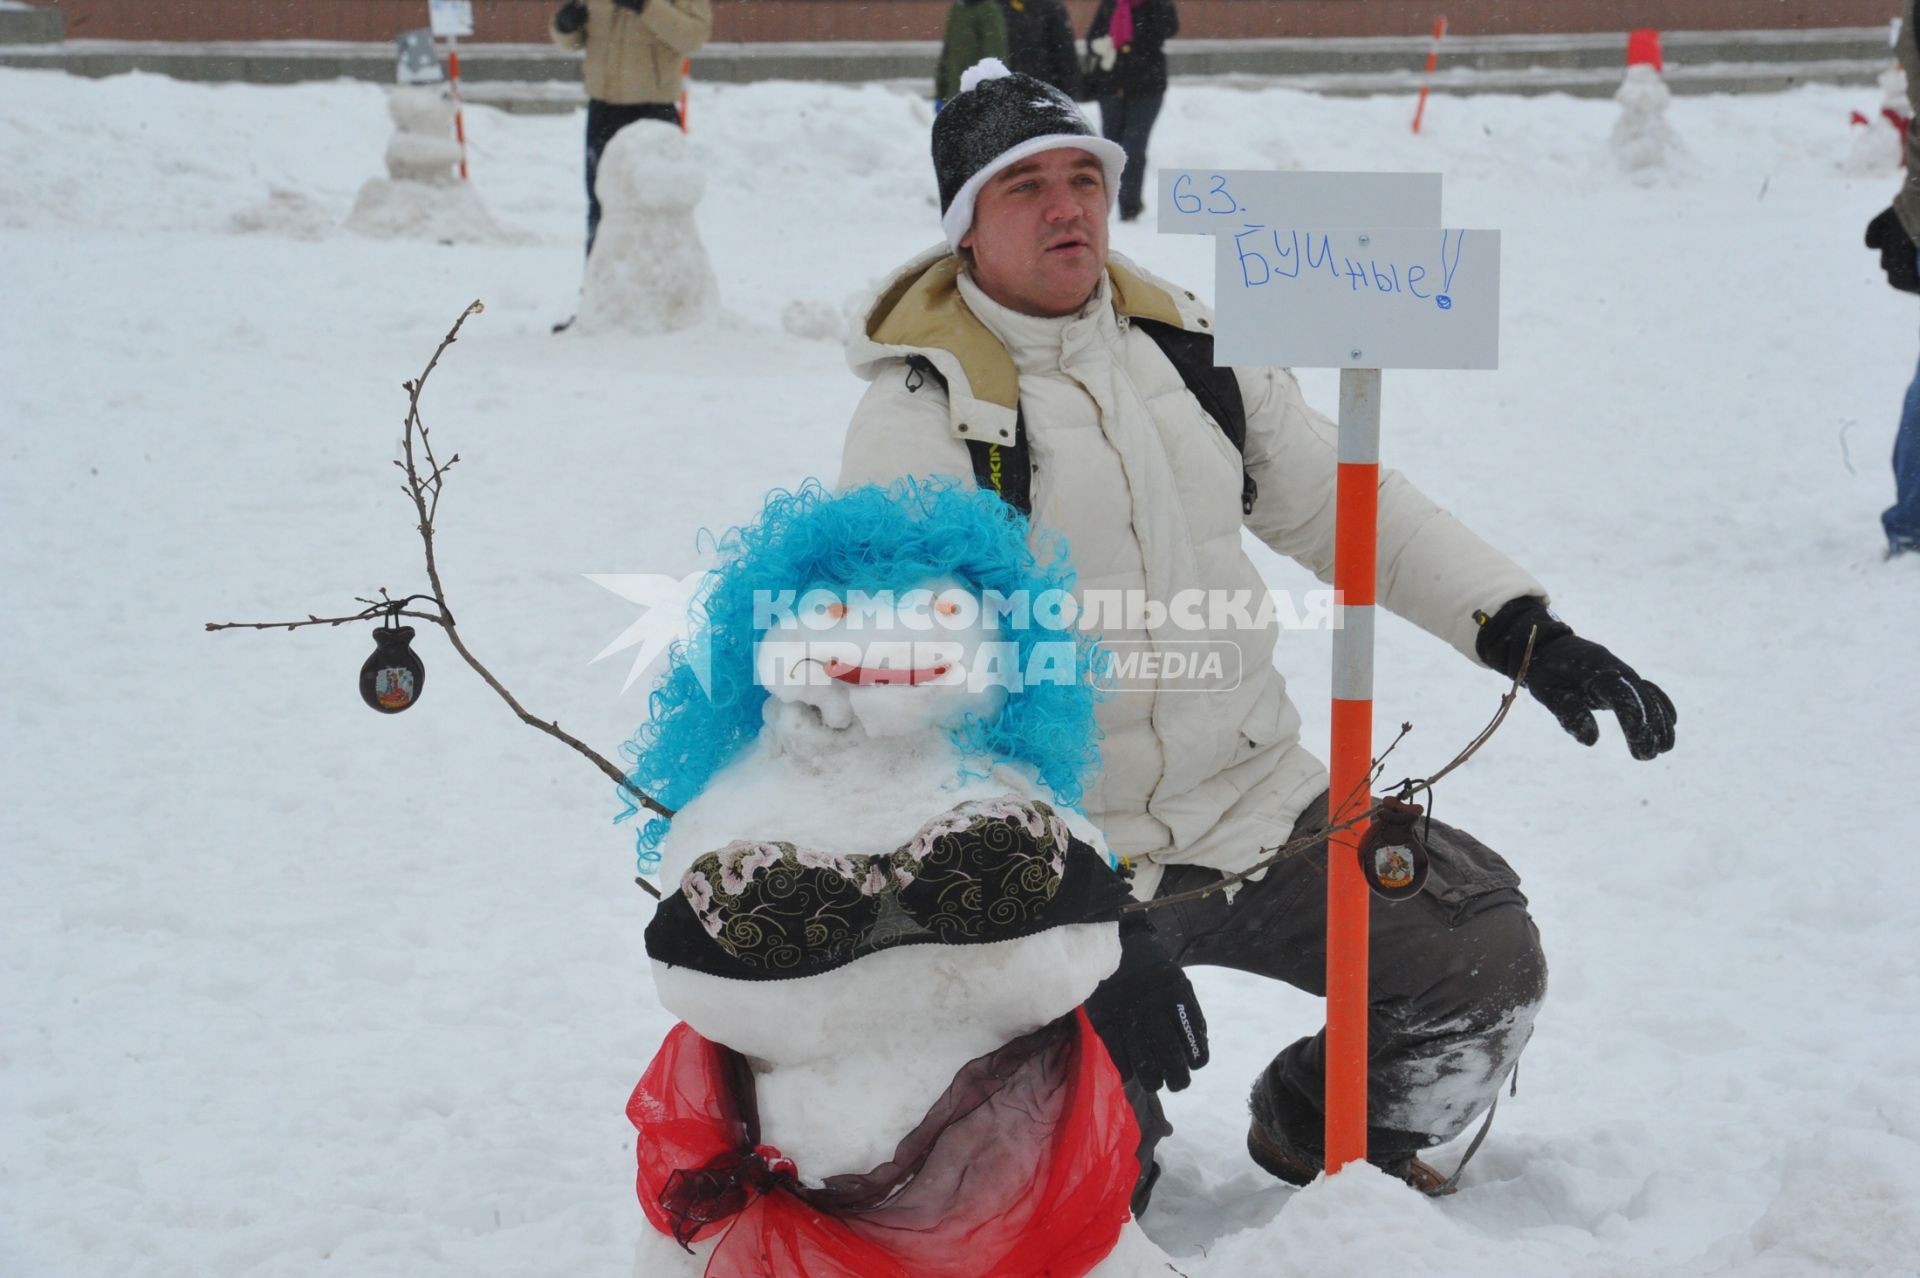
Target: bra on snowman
[[987, 870]]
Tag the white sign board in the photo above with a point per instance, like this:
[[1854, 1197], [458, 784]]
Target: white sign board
[[1340, 270], [1219, 201], [450, 18], [1384, 297]]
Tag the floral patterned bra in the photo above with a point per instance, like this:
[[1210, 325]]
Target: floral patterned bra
[[988, 870]]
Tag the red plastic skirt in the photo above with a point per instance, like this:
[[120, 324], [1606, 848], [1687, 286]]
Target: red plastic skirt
[[1022, 1169]]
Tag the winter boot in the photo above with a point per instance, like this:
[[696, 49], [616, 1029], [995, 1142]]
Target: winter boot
[[1277, 1156], [1281, 1160]]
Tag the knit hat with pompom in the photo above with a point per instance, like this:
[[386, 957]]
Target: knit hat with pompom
[[999, 118]]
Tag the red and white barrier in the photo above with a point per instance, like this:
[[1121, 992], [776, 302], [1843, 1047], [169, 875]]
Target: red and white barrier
[[459, 115], [1433, 61]]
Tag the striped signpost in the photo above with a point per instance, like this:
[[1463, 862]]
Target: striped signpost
[[1355, 571], [1433, 61], [1351, 271], [451, 19]]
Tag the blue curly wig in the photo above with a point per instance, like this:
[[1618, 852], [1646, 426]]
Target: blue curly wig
[[869, 538]]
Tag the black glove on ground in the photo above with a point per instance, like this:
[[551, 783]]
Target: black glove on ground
[[1147, 1015], [635, 5], [572, 17], [1573, 677], [1897, 252]]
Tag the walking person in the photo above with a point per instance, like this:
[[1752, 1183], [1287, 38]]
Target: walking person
[[1127, 70], [1026, 357]]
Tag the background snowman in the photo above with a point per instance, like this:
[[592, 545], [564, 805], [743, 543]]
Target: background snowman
[[885, 914]]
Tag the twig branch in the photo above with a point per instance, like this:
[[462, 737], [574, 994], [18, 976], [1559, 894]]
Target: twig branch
[[1472, 748], [376, 609], [369, 614], [424, 491], [1321, 837]]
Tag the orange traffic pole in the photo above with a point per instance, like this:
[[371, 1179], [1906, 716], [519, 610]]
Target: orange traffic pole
[[686, 66], [1355, 571], [459, 116], [1433, 60]]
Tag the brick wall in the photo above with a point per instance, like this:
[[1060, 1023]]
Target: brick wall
[[745, 20]]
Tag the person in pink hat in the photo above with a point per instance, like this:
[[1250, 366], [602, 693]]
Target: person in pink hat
[[1127, 74]]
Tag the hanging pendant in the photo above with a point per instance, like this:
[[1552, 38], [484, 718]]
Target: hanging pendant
[[1393, 859], [393, 676]]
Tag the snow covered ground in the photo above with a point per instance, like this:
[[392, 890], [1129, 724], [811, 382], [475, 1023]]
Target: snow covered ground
[[291, 989]]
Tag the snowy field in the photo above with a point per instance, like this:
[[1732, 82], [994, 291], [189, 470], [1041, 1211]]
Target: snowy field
[[291, 989]]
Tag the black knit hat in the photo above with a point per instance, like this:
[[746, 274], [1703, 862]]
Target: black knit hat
[[998, 118]]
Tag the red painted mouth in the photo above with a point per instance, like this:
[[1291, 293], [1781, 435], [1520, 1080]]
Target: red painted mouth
[[868, 677]]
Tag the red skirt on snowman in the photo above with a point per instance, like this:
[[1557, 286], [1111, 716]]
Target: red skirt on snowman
[[1022, 1169]]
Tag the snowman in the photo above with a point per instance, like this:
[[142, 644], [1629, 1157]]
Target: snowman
[[648, 272], [423, 195], [1642, 140], [1880, 143], [884, 913]]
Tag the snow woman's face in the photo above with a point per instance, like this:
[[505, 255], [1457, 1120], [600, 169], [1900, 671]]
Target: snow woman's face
[[896, 662]]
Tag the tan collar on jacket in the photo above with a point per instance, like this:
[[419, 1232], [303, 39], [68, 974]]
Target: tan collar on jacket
[[922, 312]]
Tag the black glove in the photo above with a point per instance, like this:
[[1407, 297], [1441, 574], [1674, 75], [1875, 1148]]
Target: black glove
[[1573, 677], [1147, 1015], [1897, 251], [635, 5], [572, 17]]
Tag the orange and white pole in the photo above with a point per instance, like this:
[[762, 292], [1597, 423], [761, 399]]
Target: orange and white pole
[[1355, 571], [459, 116], [1433, 61], [686, 68]]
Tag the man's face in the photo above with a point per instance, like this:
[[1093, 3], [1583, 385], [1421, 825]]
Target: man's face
[[1039, 234]]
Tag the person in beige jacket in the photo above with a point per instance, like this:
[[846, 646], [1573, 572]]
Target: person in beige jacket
[[634, 50], [1024, 332]]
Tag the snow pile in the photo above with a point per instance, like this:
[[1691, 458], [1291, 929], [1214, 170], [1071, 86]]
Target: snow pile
[[648, 272], [423, 196], [1642, 139], [285, 212], [817, 321]]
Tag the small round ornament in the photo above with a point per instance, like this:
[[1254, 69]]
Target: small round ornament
[[392, 678], [1393, 860]]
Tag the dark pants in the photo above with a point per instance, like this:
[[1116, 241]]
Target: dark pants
[[604, 119], [1456, 975], [1128, 121]]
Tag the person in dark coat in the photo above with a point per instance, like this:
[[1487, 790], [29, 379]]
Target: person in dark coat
[[1040, 43], [1128, 74]]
